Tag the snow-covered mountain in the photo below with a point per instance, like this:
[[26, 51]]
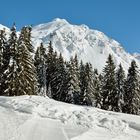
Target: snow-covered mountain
[[39, 118], [90, 45]]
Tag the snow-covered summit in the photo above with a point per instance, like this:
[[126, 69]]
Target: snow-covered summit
[[90, 45], [60, 20]]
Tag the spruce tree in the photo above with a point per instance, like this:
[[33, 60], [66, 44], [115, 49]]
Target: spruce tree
[[97, 89], [86, 84], [3, 65], [132, 93], [109, 89], [26, 32], [27, 77], [89, 98], [74, 89], [10, 73], [59, 80], [40, 64], [83, 83], [120, 78], [51, 66]]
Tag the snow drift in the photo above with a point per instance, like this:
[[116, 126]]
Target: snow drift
[[39, 118]]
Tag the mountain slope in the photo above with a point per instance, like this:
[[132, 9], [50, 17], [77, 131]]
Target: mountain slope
[[39, 118], [90, 45]]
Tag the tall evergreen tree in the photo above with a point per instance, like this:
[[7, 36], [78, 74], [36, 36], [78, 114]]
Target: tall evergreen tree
[[132, 94], [27, 77], [73, 74], [59, 80], [26, 31], [97, 89], [83, 83], [120, 78], [11, 72], [86, 84], [20, 74], [51, 66], [89, 98], [109, 89], [40, 64], [3, 42]]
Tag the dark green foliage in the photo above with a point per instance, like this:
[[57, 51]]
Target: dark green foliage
[[20, 74], [86, 84], [3, 66], [26, 32], [109, 90], [59, 87], [73, 81], [51, 66], [120, 78], [97, 89], [27, 77], [40, 64], [11, 73], [132, 92]]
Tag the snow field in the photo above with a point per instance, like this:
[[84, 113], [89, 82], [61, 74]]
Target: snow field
[[35, 117]]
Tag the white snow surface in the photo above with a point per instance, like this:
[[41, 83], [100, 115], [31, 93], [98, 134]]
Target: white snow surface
[[39, 118], [90, 45]]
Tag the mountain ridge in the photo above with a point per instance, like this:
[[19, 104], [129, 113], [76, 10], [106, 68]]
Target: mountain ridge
[[90, 45]]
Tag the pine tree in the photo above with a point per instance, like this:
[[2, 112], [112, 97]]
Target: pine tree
[[20, 74], [26, 31], [27, 77], [40, 64], [109, 89], [3, 65], [97, 89], [73, 76], [100, 98], [86, 84], [51, 66], [59, 79], [82, 82], [11, 82], [89, 98], [120, 78], [132, 93]]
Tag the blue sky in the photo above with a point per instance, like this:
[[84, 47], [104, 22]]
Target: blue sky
[[119, 19]]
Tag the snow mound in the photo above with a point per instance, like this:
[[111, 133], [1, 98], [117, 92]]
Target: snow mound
[[35, 117]]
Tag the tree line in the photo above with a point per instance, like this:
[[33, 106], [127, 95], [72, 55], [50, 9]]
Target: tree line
[[46, 73]]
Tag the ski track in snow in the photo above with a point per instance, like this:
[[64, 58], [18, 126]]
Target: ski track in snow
[[39, 118]]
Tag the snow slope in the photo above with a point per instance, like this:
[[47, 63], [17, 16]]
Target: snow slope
[[90, 45], [39, 118]]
